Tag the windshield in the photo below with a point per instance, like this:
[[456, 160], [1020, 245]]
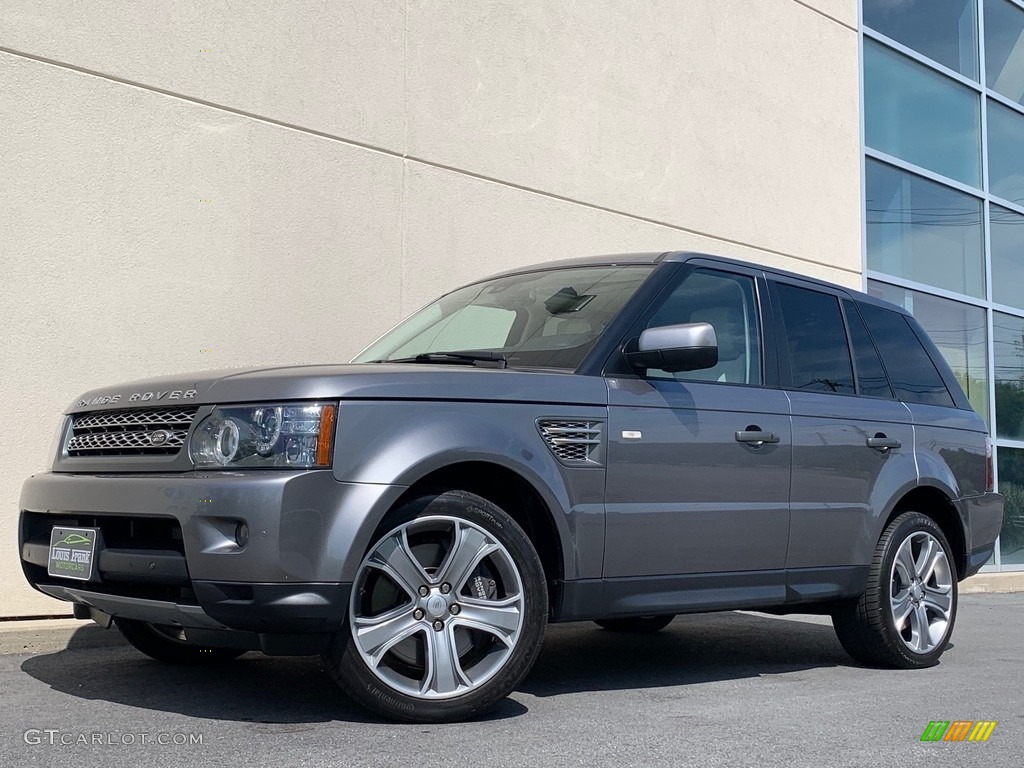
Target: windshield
[[546, 319]]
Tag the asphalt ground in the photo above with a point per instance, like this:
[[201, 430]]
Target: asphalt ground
[[730, 689]]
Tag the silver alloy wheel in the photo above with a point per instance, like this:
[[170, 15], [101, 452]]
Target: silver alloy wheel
[[921, 592], [452, 608]]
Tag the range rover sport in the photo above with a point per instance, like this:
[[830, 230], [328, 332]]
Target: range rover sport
[[619, 439]]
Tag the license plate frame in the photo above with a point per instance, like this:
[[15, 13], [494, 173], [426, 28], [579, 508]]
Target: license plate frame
[[72, 553]]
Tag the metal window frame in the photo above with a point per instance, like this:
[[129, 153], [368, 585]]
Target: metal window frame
[[986, 303]]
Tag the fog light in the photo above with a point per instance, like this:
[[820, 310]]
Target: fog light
[[241, 534]]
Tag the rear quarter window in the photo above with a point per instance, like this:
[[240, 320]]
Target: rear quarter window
[[912, 373], [871, 378]]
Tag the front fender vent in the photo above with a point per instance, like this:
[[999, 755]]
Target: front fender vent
[[575, 442]]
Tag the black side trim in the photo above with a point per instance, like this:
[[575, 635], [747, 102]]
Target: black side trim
[[649, 595], [705, 592], [811, 585], [270, 608]]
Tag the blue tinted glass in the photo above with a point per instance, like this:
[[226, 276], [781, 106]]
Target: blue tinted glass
[[1008, 343], [1005, 153], [923, 231], [1004, 49], [943, 30], [1007, 244], [1011, 485], [921, 116], [958, 330]]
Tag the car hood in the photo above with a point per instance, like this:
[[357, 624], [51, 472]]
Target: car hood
[[351, 381]]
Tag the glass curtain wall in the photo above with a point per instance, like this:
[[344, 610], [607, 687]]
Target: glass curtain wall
[[944, 201]]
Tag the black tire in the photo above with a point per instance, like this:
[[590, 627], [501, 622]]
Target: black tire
[[867, 628], [637, 624], [165, 644], [353, 673]]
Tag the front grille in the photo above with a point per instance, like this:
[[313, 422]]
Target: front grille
[[141, 432], [574, 442]]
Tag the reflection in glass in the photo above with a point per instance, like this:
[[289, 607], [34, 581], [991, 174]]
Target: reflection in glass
[[920, 116], [1006, 240], [1004, 48], [923, 231], [1005, 153], [943, 30], [958, 330], [1008, 345], [1011, 485]]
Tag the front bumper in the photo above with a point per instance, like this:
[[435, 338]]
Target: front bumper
[[170, 554]]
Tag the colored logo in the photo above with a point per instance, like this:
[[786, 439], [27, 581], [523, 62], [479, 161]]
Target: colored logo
[[74, 538], [958, 730]]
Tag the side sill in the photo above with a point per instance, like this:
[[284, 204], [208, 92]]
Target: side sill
[[587, 599]]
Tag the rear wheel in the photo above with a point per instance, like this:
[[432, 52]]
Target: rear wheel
[[447, 612], [168, 644], [905, 617], [637, 624]]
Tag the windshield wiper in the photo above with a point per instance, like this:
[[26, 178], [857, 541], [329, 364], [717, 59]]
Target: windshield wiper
[[488, 359]]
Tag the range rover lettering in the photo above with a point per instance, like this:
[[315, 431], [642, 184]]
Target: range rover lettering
[[617, 439]]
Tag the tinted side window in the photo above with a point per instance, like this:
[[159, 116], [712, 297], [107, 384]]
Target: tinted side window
[[729, 304], [911, 371], [871, 378], [819, 354]]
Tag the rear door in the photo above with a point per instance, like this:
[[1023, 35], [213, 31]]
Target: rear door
[[853, 443]]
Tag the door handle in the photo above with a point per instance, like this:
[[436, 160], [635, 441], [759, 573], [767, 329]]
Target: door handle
[[755, 437], [882, 443]]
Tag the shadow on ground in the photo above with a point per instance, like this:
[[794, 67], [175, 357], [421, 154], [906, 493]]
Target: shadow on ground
[[576, 658]]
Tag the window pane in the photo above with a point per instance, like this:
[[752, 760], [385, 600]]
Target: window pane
[[958, 330], [1004, 49], [728, 303], [921, 116], [871, 378], [1007, 244], [1005, 153], [943, 30], [546, 319], [923, 231], [1011, 485], [819, 355], [1008, 343]]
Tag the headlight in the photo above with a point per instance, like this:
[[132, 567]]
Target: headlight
[[287, 435]]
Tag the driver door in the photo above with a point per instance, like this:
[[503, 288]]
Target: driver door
[[686, 492]]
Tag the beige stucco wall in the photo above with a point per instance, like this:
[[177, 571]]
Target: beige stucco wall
[[279, 182]]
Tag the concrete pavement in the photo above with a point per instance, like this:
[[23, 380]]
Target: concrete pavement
[[730, 689]]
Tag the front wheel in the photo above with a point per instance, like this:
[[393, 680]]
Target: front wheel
[[447, 612], [905, 617]]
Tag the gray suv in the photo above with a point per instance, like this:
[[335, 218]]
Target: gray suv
[[618, 439]]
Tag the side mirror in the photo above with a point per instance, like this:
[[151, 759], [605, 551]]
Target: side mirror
[[674, 348]]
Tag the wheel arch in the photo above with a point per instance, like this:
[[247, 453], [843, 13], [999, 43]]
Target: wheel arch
[[509, 490], [936, 503]]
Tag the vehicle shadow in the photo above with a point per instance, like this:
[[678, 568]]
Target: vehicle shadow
[[575, 658], [698, 648]]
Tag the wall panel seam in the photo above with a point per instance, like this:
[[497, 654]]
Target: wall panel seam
[[412, 158], [840, 22]]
